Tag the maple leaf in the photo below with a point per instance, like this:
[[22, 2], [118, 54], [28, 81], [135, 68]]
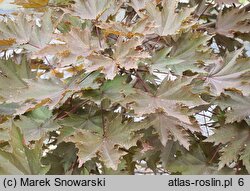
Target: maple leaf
[[83, 81], [140, 5], [168, 20], [168, 152], [31, 3], [173, 120], [93, 76], [115, 90], [106, 65], [77, 45], [238, 103], [169, 128], [11, 74], [60, 159], [8, 108], [18, 30], [28, 92], [141, 28], [229, 72], [187, 53], [103, 144], [193, 162], [43, 92], [38, 90], [90, 121], [21, 159], [36, 123], [231, 21], [169, 97], [89, 9], [235, 139], [125, 56], [31, 92], [26, 33]]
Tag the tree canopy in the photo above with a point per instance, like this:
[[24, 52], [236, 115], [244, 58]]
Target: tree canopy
[[125, 87]]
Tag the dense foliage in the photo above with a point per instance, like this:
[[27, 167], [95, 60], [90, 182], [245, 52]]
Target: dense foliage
[[125, 87]]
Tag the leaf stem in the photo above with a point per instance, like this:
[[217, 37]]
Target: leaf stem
[[217, 150]]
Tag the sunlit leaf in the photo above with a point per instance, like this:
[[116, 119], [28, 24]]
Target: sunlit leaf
[[168, 21]]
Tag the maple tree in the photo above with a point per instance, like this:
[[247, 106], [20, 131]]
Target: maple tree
[[124, 86]]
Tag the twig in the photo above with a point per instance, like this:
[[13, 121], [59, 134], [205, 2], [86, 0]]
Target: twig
[[99, 37], [204, 124], [139, 172], [203, 11], [51, 66], [72, 110], [103, 122], [150, 40], [203, 115], [142, 82], [205, 121]]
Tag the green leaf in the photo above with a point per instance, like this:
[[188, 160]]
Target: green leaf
[[4, 130], [12, 75], [237, 105], [8, 108], [12, 78], [235, 139], [106, 144], [115, 90], [192, 163], [89, 119], [189, 52], [61, 159], [36, 123], [21, 159], [38, 90]]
